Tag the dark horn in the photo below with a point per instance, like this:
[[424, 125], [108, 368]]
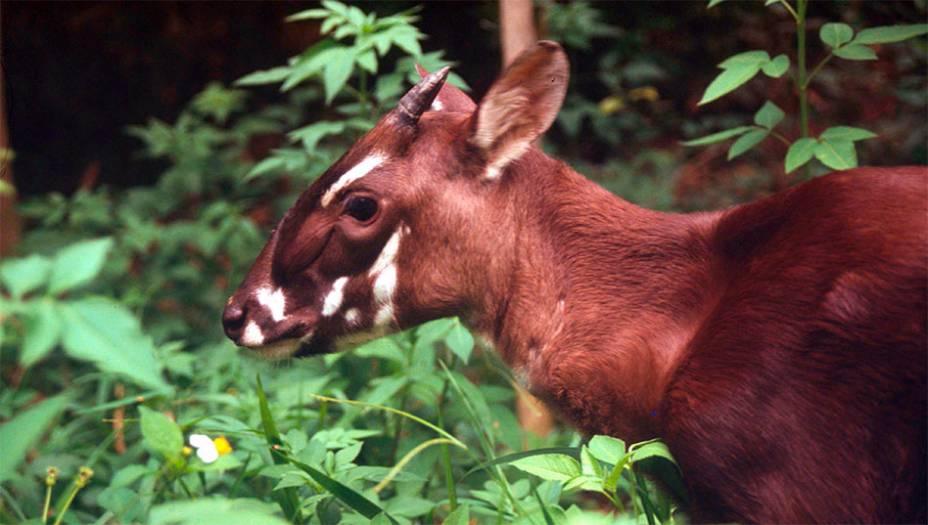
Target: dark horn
[[420, 97]]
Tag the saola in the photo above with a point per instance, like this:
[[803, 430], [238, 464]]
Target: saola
[[779, 347]]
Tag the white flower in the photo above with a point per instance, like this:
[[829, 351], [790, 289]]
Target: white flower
[[206, 449]]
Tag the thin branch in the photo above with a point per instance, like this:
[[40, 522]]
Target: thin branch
[[790, 9], [816, 69]]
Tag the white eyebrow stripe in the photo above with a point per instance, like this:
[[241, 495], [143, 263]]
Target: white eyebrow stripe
[[333, 300], [274, 301], [359, 170]]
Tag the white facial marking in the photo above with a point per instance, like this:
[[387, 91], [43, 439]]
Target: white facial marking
[[274, 301], [385, 285], [384, 315], [359, 170], [387, 255], [437, 106], [352, 316], [333, 301], [253, 336]]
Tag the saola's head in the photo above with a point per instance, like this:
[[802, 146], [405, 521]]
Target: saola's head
[[403, 228]]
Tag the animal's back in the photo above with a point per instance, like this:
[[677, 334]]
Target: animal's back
[[802, 396]]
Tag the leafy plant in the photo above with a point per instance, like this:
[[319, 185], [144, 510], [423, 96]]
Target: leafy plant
[[835, 146]]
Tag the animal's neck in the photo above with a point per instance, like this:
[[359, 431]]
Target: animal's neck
[[603, 298]]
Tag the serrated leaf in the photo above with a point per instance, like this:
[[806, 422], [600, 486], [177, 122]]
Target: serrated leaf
[[43, 329], [769, 115], [847, 133], [890, 34], [267, 76], [160, 433], [718, 136], [102, 331], [836, 34], [799, 153], [758, 57], [337, 72], [729, 80], [836, 154], [855, 52], [554, 467], [746, 142], [23, 275], [607, 449], [776, 67], [20, 434], [78, 264]]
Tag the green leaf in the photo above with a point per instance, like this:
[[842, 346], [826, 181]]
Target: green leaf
[[287, 498], [103, 331], [847, 133], [215, 511], [307, 15], [769, 115], [718, 136], [554, 467], [729, 80], [509, 458], [776, 67], [836, 34], [607, 449], [770, 2], [588, 465], [312, 134], [654, 458], [161, 434], [21, 276], [837, 154], [799, 153], [460, 341], [407, 38], [21, 433], [78, 264], [713, 3], [890, 34], [311, 62], [350, 497], [757, 57], [855, 52], [337, 72], [746, 142], [43, 329], [460, 516], [368, 61], [267, 76]]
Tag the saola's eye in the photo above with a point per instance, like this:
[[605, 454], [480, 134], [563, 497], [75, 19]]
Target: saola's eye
[[361, 208]]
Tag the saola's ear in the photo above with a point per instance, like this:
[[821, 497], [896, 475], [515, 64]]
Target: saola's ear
[[520, 105], [450, 98]]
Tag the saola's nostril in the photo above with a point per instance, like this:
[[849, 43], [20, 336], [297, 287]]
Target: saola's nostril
[[233, 320]]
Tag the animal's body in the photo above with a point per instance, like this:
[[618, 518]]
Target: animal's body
[[778, 347]]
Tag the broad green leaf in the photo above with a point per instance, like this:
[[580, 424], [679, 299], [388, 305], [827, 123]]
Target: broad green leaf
[[311, 62], [654, 458], [718, 136], [769, 115], [776, 67], [460, 341], [384, 348], [855, 52], [350, 497], [78, 264], [43, 329], [215, 511], [161, 434], [847, 133], [312, 134], [23, 275], [308, 14], [555, 467], [267, 76], [607, 449], [799, 153], [368, 61], [22, 433], [729, 80], [103, 331], [746, 142], [836, 34], [588, 465], [837, 154], [748, 57], [890, 34], [407, 39], [460, 516], [337, 72]]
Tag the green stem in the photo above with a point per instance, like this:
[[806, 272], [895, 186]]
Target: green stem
[[48, 502], [780, 137], [446, 453], [790, 9], [801, 83], [67, 503], [817, 68]]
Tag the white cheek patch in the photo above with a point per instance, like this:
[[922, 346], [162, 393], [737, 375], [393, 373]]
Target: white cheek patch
[[333, 300], [384, 315], [385, 285], [387, 255], [352, 316], [359, 170], [274, 301], [253, 336], [384, 273]]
